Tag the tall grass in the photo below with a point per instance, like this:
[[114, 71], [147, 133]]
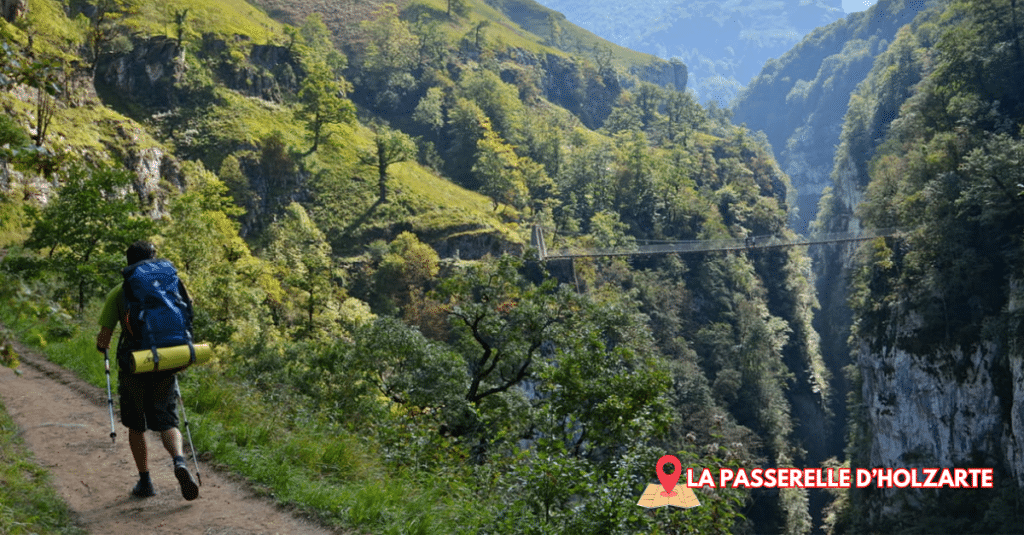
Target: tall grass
[[290, 454]]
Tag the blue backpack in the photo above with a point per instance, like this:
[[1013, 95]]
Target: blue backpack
[[159, 309]]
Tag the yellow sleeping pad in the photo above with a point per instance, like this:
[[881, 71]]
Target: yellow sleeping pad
[[171, 358]]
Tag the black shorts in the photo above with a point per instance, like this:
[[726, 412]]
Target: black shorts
[[148, 400]]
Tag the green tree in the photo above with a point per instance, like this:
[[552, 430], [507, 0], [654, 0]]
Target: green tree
[[430, 110], [40, 74], [46, 109], [389, 57], [500, 323], [389, 147], [602, 58], [649, 98], [634, 187], [606, 385], [180, 20], [684, 116], [466, 126], [236, 182], [11, 134], [317, 46], [433, 43], [498, 171], [458, 7], [322, 101], [84, 232], [302, 259], [229, 286], [499, 101], [407, 368], [105, 25], [408, 265]]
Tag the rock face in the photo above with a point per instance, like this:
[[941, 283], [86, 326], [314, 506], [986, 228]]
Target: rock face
[[267, 72], [151, 166], [147, 75], [674, 73], [919, 402], [923, 399], [590, 99], [12, 10], [31, 186], [907, 394], [587, 96], [152, 73], [958, 407]]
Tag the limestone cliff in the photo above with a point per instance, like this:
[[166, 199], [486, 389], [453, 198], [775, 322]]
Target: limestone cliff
[[936, 312], [800, 99]]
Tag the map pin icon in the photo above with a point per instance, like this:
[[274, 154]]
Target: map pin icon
[[668, 481]]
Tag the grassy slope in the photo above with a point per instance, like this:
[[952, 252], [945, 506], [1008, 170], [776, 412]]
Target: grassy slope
[[258, 447], [519, 23], [429, 203]]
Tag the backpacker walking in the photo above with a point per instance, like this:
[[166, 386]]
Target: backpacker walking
[[154, 310]]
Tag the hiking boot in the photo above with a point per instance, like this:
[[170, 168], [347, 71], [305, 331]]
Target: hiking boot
[[143, 489], [189, 488]]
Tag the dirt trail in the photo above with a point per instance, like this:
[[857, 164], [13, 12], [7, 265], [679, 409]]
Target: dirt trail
[[65, 423]]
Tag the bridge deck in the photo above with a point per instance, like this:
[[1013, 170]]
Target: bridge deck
[[702, 246]]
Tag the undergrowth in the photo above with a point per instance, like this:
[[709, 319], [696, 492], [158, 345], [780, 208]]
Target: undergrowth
[[289, 454]]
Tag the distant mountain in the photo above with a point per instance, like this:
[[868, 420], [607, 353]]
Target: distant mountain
[[800, 99], [723, 43]]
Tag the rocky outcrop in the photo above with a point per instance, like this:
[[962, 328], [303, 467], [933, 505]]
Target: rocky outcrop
[[266, 72], [153, 72], [149, 74], [963, 406], [151, 166], [28, 186], [12, 10], [474, 244], [589, 98], [156, 173], [666, 74], [589, 95]]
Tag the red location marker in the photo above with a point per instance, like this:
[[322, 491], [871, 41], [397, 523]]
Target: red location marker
[[668, 481]]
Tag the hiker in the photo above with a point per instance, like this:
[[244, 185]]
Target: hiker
[[147, 399]]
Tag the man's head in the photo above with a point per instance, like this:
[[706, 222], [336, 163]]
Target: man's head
[[139, 251]]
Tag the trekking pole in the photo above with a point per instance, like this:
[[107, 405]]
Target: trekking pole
[[188, 431], [110, 398]]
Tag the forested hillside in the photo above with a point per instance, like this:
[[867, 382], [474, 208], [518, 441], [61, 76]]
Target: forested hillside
[[930, 143], [349, 197], [936, 313], [799, 100], [724, 43]]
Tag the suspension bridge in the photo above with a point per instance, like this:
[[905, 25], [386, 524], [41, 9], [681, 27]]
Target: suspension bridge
[[705, 246]]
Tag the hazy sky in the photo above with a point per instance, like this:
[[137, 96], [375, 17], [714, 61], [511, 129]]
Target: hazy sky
[[856, 5]]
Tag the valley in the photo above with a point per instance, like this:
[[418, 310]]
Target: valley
[[472, 248]]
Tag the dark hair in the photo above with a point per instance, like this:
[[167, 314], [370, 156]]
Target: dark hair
[[139, 251]]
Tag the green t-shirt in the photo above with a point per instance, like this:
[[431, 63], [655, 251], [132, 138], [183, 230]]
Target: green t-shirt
[[113, 308]]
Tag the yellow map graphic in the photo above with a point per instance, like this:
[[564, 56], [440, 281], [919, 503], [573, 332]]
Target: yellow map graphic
[[684, 498]]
